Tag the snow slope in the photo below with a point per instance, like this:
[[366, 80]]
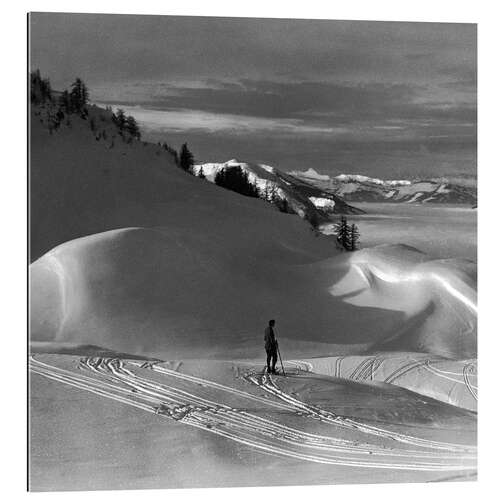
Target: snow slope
[[195, 424], [81, 186], [192, 291]]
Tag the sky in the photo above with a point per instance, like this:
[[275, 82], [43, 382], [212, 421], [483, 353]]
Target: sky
[[386, 99]]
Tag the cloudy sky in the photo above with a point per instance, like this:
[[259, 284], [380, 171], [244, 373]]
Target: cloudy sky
[[385, 99]]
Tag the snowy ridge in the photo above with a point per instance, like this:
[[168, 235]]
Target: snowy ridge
[[371, 180], [302, 197], [355, 187]]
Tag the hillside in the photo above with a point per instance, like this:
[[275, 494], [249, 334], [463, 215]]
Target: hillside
[[141, 257], [359, 188], [302, 197], [85, 182]]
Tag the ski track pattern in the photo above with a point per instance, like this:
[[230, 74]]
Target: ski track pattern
[[119, 381]]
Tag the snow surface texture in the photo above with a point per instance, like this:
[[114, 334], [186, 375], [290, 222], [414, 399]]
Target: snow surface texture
[[358, 188], [214, 424], [451, 381], [172, 293]]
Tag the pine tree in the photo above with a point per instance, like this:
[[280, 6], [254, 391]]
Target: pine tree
[[120, 119], [79, 96], [236, 179], [132, 127], [353, 237], [201, 174], [40, 89], [284, 206], [342, 231], [186, 160]]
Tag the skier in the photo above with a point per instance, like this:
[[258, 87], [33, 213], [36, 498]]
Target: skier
[[271, 345]]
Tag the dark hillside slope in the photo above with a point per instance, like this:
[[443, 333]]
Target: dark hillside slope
[[87, 181]]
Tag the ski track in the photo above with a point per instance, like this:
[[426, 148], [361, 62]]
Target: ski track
[[468, 369], [112, 379]]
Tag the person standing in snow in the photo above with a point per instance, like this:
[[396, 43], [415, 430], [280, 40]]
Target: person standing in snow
[[271, 345]]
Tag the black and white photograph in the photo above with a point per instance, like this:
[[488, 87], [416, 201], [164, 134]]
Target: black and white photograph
[[252, 251]]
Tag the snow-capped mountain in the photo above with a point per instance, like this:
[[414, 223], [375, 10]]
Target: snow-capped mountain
[[353, 187], [303, 197]]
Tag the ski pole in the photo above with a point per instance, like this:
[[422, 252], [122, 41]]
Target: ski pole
[[279, 354]]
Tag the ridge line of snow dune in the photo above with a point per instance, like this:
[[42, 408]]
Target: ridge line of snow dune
[[243, 431], [61, 276], [413, 276]]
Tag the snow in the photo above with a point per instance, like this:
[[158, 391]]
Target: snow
[[150, 261], [196, 424], [371, 180], [323, 202], [312, 174]]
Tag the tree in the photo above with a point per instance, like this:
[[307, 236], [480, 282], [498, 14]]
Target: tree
[[236, 179], [353, 237], [79, 96], [186, 160], [201, 174], [40, 89], [132, 127], [342, 231], [120, 119], [283, 205]]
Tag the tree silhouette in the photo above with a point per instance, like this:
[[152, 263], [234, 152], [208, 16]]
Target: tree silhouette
[[132, 127], [40, 89], [201, 174], [120, 119], [79, 96], [342, 231], [186, 160], [353, 237], [236, 179]]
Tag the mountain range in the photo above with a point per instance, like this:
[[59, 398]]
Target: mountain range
[[360, 188], [303, 197]]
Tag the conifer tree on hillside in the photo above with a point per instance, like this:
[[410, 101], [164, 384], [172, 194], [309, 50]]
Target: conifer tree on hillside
[[132, 127], [79, 96], [342, 231], [284, 206], [120, 119], [201, 174], [236, 179], [186, 159], [353, 237], [40, 89]]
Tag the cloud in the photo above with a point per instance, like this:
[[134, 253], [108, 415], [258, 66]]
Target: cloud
[[362, 111], [177, 120]]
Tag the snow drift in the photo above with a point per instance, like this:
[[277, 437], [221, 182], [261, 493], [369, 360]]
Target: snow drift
[[194, 292]]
